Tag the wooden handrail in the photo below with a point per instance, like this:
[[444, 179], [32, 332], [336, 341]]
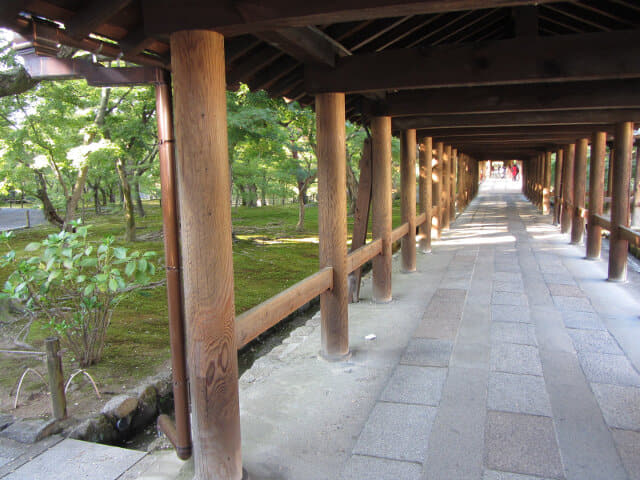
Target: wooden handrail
[[629, 235], [601, 221], [262, 317], [362, 255], [420, 219], [398, 233]]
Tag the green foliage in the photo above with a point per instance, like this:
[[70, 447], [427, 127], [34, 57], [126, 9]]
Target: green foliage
[[76, 284]]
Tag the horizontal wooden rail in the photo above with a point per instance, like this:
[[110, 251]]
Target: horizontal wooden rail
[[260, 318], [362, 255], [420, 219], [398, 233], [601, 221], [629, 235]]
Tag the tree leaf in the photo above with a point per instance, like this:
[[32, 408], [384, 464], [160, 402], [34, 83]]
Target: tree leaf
[[32, 247], [130, 268]]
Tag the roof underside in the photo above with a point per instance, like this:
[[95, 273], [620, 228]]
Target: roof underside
[[295, 49]]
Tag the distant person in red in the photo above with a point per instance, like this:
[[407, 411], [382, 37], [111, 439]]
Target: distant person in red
[[515, 172]]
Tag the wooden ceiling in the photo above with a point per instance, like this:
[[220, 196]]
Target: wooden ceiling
[[444, 66]]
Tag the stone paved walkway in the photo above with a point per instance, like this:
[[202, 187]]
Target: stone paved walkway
[[506, 356], [524, 365]]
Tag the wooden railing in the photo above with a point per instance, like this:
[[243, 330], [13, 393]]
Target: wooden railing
[[399, 232], [601, 221], [362, 255], [260, 318], [629, 235]]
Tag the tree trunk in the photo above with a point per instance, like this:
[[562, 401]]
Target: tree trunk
[[352, 189], [50, 213], [96, 199], [129, 214], [302, 192], [72, 204], [15, 81], [136, 193]]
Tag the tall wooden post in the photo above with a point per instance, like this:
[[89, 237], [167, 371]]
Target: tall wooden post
[[171, 230], [56, 378], [332, 222], [424, 184], [197, 61], [381, 205], [546, 186], [618, 247], [408, 197], [557, 189], [635, 205], [567, 190], [596, 193], [454, 184], [579, 190], [437, 190], [446, 187]]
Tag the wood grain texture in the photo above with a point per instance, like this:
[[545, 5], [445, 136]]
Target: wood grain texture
[[332, 221], [205, 212], [362, 255], [408, 147], [546, 186], [445, 217], [425, 188], [618, 245], [381, 206], [579, 189], [567, 189], [557, 189], [437, 190], [596, 193]]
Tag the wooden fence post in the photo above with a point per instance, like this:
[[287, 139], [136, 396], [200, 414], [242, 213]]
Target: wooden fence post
[[579, 190], [198, 66], [446, 188], [56, 378], [332, 222], [381, 205], [425, 186], [437, 190], [557, 189], [567, 190], [408, 197]]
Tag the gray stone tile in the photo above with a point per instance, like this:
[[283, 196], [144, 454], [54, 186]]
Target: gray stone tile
[[99, 462], [582, 320], [522, 443], [411, 384], [470, 355], [556, 278], [507, 267], [493, 475], [553, 268], [628, 444], [506, 332], [457, 438], [605, 368], [620, 405], [510, 313], [514, 358], [559, 289], [437, 326], [508, 298], [360, 467], [594, 341], [427, 352], [588, 451], [397, 431], [507, 276], [509, 392], [573, 304], [506, 286]]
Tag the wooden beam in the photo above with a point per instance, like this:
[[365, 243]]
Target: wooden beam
[[576, 131], [247, 16], [596, 194], [136, 42], [562, 58], [513, 98], [306, 45], [91, 16], [9, 10], [567, 117]]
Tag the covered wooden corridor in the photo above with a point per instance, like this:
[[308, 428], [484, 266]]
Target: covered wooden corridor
[[515, 80]]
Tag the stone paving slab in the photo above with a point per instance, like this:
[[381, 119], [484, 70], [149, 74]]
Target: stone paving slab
[[510, 313], [361, 467], [508, 392], [77, 460], [514, 358], [417, 385], [596, 341], [397, 431], [427, 352], [605, 368], [506, 332], [582, 320], [628, 444], [620, 405]]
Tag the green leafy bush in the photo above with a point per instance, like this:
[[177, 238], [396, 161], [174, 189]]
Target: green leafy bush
[[76, 285]]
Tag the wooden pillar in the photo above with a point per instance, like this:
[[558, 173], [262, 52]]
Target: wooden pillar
[[424, 184], [381, 205], [579, 190], [332, 222], [56, 378], [546, 187], [596, 193], [408, 197], [198, 67], [454, 184], [446, 188], [557, 202], [567, 189], [635, 205], [618, 247], [437, 190]]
